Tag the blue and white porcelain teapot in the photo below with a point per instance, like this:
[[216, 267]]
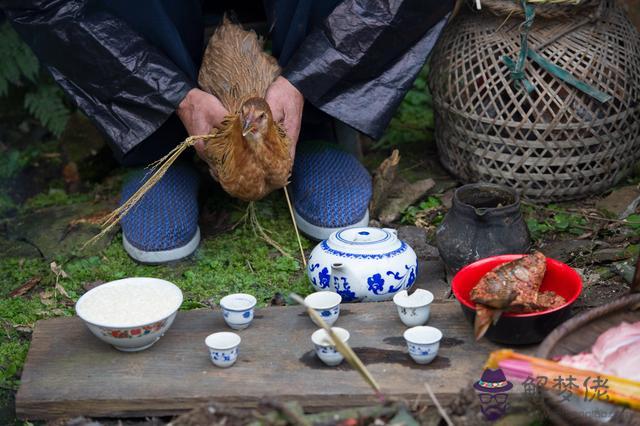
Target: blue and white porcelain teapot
[[363, 264]]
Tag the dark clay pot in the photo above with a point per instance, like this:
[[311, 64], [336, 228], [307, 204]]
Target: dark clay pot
[[484, 220]]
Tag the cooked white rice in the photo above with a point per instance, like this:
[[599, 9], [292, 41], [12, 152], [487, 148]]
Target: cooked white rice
[[129, 304]]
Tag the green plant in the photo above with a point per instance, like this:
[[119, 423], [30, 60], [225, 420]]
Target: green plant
[[633, 221], [11, 163], [17, 60], [410, 214], [558, 222], [414, 119], [47, 105], [20, 68]]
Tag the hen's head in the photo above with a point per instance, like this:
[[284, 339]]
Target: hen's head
[[255, 118]]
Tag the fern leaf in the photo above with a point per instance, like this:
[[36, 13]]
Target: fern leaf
[[17, 59], [47, 105]]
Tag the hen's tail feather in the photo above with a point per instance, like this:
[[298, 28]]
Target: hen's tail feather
[[157, 169]]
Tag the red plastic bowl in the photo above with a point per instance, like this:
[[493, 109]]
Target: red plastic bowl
[[520, 329]]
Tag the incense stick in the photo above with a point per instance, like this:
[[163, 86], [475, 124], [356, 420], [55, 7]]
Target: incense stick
[[443, 413], [295, 226], [342, 347], [620, 391]]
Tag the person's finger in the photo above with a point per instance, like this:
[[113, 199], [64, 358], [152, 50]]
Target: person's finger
[[214, 112], [199, 146], [292, 126], [278, 114]]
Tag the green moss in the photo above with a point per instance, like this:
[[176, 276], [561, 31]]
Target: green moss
[[12, 356], [231, 262], [55, 197], [6, 204]]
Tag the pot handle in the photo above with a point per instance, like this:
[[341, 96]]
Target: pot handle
[[480, 211]]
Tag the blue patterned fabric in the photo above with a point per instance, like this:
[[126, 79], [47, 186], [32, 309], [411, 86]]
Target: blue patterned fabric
[[167, 216], [331, 189]]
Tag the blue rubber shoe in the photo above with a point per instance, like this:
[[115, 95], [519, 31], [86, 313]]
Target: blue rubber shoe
[[163, 226], [331, 190]]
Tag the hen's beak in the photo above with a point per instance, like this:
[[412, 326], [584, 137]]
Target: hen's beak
[[247, 126]]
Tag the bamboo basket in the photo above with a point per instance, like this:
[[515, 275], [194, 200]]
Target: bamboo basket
[[554, 143], [544, 8], [577, 335]]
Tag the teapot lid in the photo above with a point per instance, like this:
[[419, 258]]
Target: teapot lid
[[364, 238]]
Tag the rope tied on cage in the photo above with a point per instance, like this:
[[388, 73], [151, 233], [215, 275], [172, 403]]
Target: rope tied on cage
[[516, 69]]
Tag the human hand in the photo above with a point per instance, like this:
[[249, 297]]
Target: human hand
[[286, 103], [200, 112]]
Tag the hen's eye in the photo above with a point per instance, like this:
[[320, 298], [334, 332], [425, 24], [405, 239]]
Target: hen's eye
[[261, 116]]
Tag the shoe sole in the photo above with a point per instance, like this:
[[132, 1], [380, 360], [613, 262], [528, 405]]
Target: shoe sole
[[158, 257], [320, 233]]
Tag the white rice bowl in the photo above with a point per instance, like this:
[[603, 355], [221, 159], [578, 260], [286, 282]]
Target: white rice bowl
[[130, 314]]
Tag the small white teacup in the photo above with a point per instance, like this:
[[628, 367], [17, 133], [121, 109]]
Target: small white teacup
[[238, 310], [325, 348], [223, 348], [326, 304], [413, 309], [423, 342]]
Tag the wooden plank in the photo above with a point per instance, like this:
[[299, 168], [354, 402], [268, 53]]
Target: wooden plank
[[69, 372]]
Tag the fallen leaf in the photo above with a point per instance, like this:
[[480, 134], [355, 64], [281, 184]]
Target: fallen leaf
[[383, 178], [92, 285], [26, 287], [57, 270], [92, 219], [46, 297], [406, 195], [62, 290], [24, 329]]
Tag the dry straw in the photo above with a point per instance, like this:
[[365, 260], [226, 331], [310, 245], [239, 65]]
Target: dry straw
[[158, 169]]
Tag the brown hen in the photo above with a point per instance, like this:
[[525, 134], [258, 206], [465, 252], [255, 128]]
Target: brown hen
[[250, 154]]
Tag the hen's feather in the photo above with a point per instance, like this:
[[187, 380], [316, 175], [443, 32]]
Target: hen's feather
[[236, 69]]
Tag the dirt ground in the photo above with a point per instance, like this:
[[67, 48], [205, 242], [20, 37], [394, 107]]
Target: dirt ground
[[598, 236]]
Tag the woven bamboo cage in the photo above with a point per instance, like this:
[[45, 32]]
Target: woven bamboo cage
[[555, 143], [544, 9]]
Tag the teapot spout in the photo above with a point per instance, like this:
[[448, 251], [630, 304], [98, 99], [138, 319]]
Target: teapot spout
[[339, 270], [337, 267]]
